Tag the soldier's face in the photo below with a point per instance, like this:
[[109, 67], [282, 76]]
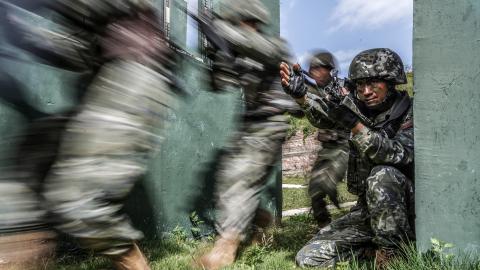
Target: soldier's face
[[321, 75], [373, 92]]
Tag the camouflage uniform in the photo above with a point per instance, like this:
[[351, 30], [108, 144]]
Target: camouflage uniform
[[255, 146], [106, 144], [380, 169], [330, 165]]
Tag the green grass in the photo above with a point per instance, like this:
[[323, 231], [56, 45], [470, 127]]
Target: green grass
[[408, 86], [298, 198], [297, 124], [294, 180], [276, 251], [295, 198]]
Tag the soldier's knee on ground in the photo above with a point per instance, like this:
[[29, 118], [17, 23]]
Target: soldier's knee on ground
[[320, 253]]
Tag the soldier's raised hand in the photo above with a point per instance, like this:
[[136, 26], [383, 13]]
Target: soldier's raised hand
[[293, 81]]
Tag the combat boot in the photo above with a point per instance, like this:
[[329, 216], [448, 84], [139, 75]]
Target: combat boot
[[320, 211], [223, 252], [27, 250], [133, 259], [262, 220], [383, 257]]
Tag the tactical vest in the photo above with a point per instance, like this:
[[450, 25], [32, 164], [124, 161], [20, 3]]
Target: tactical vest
[[359, 167]]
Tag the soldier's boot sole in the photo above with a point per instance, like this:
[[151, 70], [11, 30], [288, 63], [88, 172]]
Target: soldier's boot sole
[[221, 255], [133, 259]]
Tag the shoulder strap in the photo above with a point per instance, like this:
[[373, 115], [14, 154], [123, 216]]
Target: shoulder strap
[[399, 110]]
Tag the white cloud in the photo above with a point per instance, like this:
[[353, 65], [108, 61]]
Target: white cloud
[[369, 14], [344, 58]]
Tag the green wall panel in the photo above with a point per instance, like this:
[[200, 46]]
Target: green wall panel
[[447, 130], [46, 89]]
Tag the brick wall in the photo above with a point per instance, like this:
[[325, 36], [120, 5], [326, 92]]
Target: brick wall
[[298, 154]]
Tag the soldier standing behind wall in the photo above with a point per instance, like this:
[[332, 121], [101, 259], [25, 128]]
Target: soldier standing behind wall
[[331, 163], [380, 167], [106, 145], [255, 146]]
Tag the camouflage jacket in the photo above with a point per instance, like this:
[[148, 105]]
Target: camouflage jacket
[[254, 70], [386, 140]]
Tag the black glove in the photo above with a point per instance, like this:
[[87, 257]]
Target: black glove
[[343, 116], [296, 87]]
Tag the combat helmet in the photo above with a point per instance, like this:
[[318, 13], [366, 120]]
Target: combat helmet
[[236, 11], [379, 63], [322, 58]]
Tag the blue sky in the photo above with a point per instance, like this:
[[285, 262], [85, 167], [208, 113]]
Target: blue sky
[[346, 27]]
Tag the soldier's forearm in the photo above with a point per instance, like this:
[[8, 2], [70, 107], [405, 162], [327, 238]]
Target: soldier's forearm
[[383, 150]]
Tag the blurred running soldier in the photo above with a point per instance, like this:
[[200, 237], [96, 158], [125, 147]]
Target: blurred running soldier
[[107, 143], [255, 147]]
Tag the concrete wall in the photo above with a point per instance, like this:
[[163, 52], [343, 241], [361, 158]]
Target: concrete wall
[[447, 118]]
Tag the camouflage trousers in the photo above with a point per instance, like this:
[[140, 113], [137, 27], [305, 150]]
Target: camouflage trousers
[[22, 173], [382, 218], [243, 171], [103, 153], [328, 170]]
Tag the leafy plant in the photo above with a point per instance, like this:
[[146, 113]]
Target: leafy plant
[[196, 223]]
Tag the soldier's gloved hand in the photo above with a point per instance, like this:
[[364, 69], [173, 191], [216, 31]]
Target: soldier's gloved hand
[[293, 81], [343, 116]]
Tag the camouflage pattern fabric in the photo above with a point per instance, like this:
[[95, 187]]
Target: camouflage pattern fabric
[[106, 145], [381, 221], [104, 152], [329, 169], [256, 146], [23, 172], [378, 63], [379, 171], [331, 164], [243, 172], [25, 155], [247, 10]]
